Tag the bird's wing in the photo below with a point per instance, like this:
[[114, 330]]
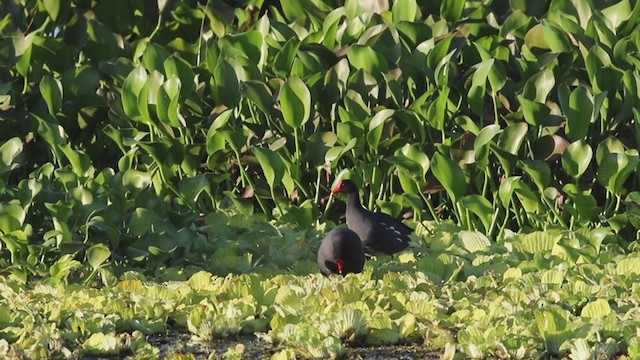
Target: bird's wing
[[393, 222]]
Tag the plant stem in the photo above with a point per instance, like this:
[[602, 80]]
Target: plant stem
[[504, 224], [318, 174], [247, 180], [297, 143], [430, 207], [495, 107]]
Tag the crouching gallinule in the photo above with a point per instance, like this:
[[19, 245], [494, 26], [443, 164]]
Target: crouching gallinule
[[341, 252], [378, 232]]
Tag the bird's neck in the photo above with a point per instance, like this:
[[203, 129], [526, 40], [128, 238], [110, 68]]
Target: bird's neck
[[353, 203]]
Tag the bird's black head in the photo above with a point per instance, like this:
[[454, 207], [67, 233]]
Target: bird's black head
[[346, 187]]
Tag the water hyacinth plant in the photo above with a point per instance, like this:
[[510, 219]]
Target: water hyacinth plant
[[167, 167]]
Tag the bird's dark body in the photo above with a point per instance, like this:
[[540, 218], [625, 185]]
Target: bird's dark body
[[379, 232], [343, 244]]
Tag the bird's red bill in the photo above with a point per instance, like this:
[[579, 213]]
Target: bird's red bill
[[340, 264], [337, 188]]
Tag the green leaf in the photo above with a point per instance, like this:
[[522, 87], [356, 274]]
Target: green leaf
[[596, 309], [556, 39], [295, 100], [538, 87], [474, 241], [51, 90], [168, 102], [53, 7], [414, 154], [616, 168], [506, 189], [450, 175], [534, 113], [512, 137], [576, 158], [180, 68], [80, 162], [246, 45], [628, 266], [154, 57], [225, 86], [284, 58], [364, 57], [258, 93], [617, 13], [97, 255], [272, 165], [539, 172], [480, 145], [481, 207], [451, 10], [404, 10], [578, 112], [131, 88], [9, 151], [536, 242]]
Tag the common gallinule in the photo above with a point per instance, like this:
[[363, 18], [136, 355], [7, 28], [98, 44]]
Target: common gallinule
[[379, 232], [341, 252]]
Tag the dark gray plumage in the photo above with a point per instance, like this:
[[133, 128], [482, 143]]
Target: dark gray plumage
[[341, 252], [378, 231]]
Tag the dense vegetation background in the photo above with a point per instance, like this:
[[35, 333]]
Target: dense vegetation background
[[180, 135]]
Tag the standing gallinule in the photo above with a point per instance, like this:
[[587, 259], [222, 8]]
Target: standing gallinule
[[341, 252], [379, 232]]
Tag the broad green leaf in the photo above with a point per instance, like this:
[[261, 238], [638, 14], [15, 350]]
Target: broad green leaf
[[245, 45], [512, 137], [607, 146], [414, 154], [180, 68], [576, 158], [191, 187], [553, 277], [97, 255], [136, 179], [404, 10], [628, 266], [451, 10], [616, 168], [364, 57], [168, 103], [9, 151], [225, 86], [556, 39], [258, 93], [506, 189], [450, 175], [80, 162], [284, 58], [596, 309], [272, 165], [480, 145], [154, 57], [295, 100], [535, 38], [617, 13], [539, 172], [536, 242], [481, 207], [131, 88], [538, 87], [51, 90], [53, 7], [534, 113], [53, 134]]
